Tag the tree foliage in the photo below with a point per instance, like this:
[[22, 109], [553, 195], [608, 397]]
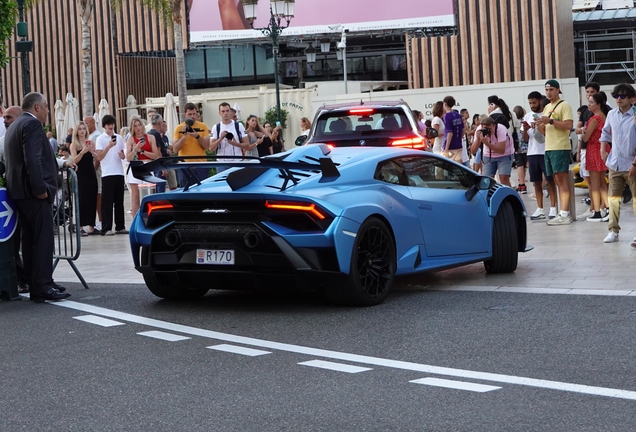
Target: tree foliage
[[271, 117], [8, 18]]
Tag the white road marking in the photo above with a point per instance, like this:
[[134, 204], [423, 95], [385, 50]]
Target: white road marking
[[353, 358], [100, 321], [239, 350], [457, 385], [335, 366], [164, 336]]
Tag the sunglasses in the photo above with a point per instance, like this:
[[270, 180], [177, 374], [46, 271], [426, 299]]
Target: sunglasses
[[619, 96]]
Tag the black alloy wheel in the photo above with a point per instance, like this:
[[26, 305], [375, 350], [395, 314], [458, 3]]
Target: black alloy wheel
[[373, 265]]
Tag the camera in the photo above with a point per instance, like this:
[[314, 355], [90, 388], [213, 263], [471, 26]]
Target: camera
[[229, 136], [189, 123], [485, 132], [189, 129]]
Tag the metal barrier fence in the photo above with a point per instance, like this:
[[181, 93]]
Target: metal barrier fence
[[68, 243]]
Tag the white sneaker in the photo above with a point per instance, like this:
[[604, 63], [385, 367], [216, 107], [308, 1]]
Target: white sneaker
[[98, 226], [611, 237], [586, 215], [553, 213], [538, 214], [605, 215], [109, 233], [560, 220]]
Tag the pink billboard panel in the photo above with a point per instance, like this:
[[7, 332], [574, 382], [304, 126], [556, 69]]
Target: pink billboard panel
[[222, 20]]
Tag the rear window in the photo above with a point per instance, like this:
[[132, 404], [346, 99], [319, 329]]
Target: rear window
[[361, 121]]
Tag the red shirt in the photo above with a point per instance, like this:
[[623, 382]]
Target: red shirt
[[146, 148]]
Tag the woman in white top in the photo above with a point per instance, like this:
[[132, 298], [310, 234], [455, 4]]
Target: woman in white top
[[305, 126], [438, 125]]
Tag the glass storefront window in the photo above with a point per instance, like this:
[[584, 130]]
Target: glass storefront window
[[218, 64], [195, 66]]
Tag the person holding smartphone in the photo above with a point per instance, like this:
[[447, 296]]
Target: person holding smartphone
[[83, 155], [139, 146], [110, 152]]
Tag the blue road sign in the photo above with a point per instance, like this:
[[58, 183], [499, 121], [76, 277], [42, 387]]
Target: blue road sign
[[8, 216]]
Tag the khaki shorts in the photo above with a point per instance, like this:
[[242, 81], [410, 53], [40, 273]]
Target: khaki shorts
[[98, 172], [171, 179]]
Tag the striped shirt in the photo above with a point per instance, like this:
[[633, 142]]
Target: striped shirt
[[620, 130]]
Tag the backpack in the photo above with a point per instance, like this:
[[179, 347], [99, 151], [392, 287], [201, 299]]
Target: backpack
[[236, 127], [502, 120]]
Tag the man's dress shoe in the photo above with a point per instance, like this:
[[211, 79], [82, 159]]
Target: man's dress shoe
[[52, 294], [59, 287]]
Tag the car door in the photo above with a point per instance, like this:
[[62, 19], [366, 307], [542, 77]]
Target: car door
[[451, 224]]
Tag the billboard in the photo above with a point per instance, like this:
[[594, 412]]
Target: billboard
[[222, 20]]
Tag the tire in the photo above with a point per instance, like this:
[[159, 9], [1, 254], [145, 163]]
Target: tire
[[170, 292], [372, 269], [505, 253]]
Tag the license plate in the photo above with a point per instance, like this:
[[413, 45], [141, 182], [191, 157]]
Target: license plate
[[216, 257]]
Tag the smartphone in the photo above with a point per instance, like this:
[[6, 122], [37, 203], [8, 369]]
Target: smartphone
[[634, 109], [536, 116], [88, 142], [277, 123]]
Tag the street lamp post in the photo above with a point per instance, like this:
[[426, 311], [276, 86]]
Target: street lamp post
[[279, 11], [23, 46]]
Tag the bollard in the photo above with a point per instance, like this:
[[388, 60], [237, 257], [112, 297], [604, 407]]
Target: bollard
[[572, 197]]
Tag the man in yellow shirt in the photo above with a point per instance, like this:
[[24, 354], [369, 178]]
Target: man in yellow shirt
[[556, 124], [191, 142]]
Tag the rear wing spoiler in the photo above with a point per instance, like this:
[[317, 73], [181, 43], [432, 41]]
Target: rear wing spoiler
[[253, 166]]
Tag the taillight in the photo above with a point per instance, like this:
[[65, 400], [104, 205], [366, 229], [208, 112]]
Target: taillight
[[361, 111], [157, 205], [297, 206], [331, 145], [415, 142]]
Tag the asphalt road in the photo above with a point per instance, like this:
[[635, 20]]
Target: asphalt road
[[518, 362]]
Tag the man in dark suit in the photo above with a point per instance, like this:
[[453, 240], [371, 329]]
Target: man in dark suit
[[32, 184]]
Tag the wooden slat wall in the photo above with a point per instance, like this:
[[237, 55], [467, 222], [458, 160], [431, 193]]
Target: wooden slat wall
[[55, 63], [138, 76], [497, 41]]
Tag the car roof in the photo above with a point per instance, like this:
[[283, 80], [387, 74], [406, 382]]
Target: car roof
[[361, 104]]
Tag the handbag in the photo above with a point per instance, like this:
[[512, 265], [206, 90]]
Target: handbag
[[455, 155]]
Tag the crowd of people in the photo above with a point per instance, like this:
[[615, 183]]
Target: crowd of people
[[101, 160], [538, 144]]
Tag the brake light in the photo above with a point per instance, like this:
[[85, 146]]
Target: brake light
[[416, 142], [157, 205], [296, 206], [361, 111]]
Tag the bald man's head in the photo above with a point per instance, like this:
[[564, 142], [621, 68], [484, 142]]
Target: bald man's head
[[90, 124], [11, 114]]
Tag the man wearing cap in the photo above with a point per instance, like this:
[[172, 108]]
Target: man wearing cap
[[556, 124]]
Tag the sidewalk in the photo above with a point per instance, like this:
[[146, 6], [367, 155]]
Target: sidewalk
[[566, 259]]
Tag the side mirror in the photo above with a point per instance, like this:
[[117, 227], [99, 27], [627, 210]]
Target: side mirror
[[485, 183], [301, 140], [482, 183]]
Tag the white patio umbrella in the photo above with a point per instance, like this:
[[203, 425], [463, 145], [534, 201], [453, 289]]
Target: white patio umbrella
[[103, 109], [59, 120], [70, 116], [237, 107], [98, 122], [131, 102], [170, 114]]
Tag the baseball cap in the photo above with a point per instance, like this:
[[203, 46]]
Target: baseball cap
[[553, 83]]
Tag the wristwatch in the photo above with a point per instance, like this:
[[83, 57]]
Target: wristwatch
[[551, 121]]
